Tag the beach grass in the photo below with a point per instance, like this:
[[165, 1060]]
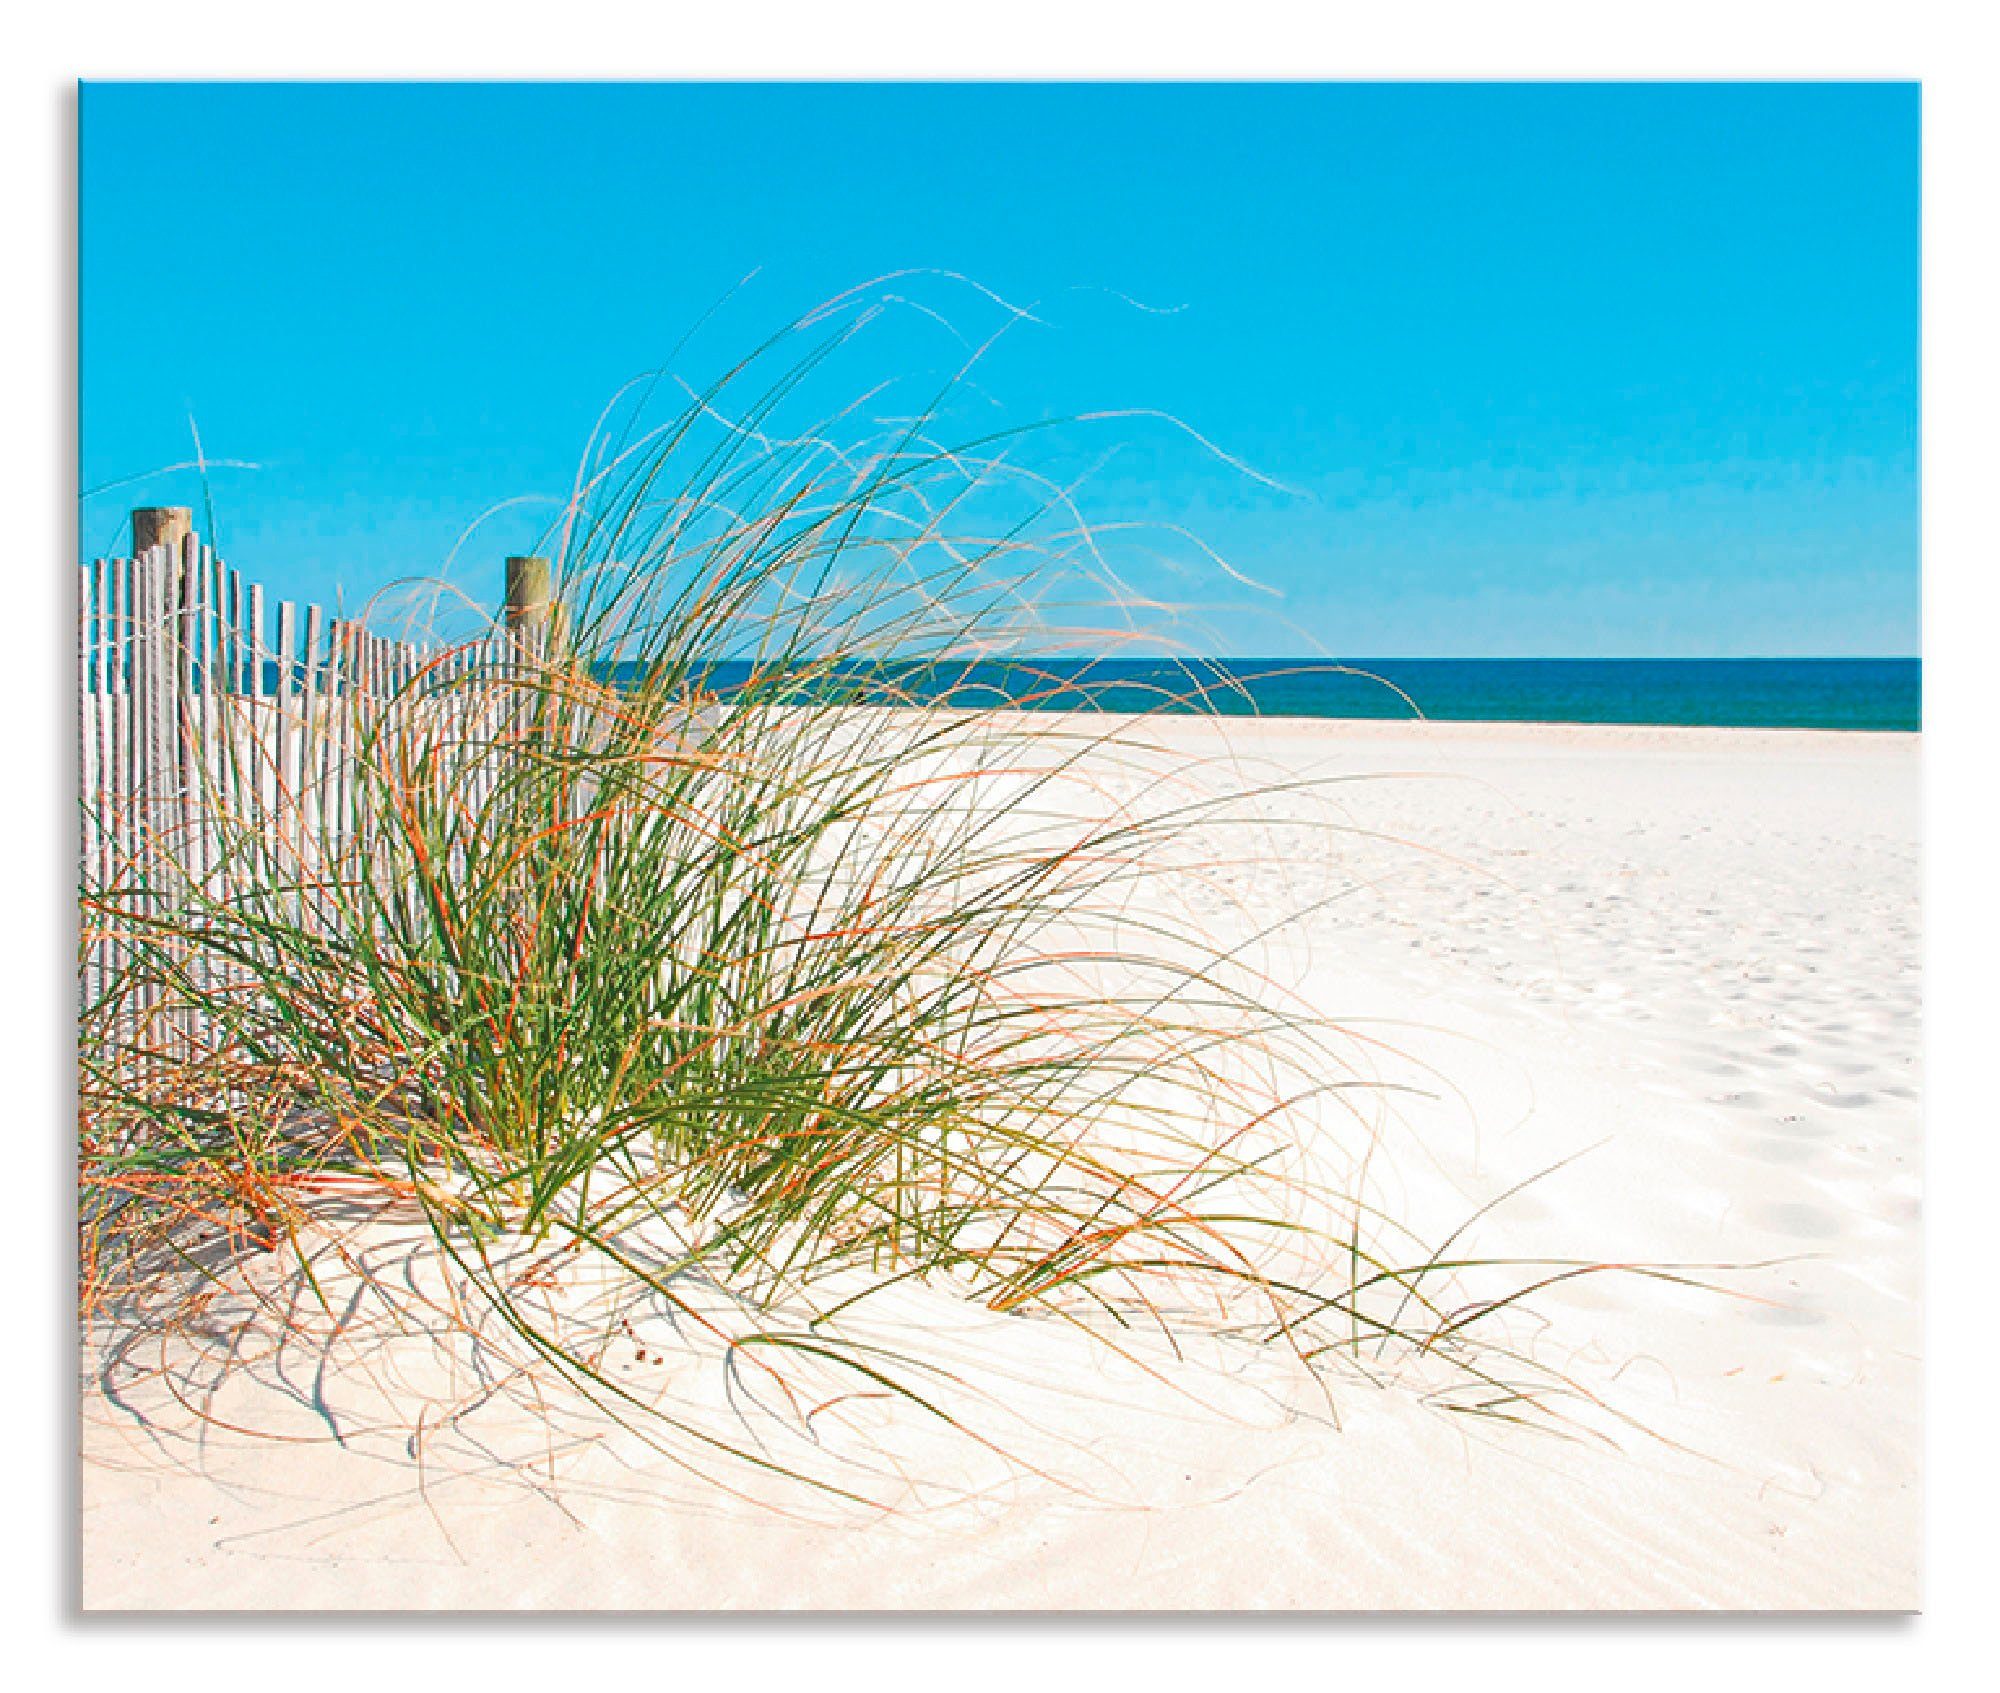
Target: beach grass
[[791, 991]]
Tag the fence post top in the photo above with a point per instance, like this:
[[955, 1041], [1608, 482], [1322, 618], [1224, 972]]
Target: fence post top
[[530, 589], [160, 526]]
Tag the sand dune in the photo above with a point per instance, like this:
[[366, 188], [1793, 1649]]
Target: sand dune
[[1677, 969]]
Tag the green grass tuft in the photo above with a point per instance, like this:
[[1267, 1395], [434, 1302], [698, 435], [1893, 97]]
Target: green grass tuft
[[780, 990]]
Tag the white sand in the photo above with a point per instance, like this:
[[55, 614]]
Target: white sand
[[1690, 955]]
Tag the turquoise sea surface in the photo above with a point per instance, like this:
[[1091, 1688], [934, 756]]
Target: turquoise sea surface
[[1765, 693]]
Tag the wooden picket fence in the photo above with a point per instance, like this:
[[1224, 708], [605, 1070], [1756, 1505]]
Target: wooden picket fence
[[189, 694], [218, 735]]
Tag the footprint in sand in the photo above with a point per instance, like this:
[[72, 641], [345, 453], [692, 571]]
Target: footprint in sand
[[1788, 1316], [1798, 1151], [1800, 1128], [1800, 1222]]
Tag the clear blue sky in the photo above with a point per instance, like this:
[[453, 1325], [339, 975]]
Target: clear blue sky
[[1552, 369]]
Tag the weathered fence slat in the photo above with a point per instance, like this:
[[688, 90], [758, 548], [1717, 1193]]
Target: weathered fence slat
[[316, 819], [89, 812], [192, 835], [285, 818]]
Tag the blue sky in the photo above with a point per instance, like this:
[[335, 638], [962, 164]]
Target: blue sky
[[1543, 369]]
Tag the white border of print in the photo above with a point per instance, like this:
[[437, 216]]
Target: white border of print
[[50, 47]]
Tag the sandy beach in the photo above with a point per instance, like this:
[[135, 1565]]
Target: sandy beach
[[1667, 978]]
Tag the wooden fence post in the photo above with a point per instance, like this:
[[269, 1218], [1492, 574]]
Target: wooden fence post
[[160, 526], [531, 593]]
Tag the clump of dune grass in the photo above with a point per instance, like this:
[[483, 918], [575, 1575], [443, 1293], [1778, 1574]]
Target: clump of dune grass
[[728, 935]]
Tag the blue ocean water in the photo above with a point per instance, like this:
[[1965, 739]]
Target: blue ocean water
[[1781, 693]]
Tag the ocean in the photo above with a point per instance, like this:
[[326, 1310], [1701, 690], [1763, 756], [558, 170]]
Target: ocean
[[1761, 693]]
